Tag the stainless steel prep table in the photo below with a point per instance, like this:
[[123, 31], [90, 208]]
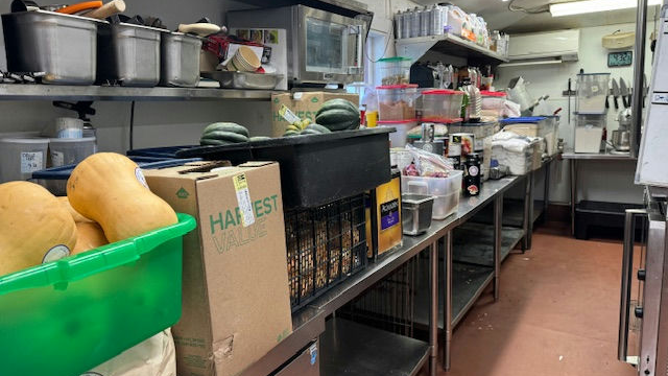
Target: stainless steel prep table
[[574, 159], [309, 322]]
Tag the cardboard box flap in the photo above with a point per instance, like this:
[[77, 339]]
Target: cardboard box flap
[[255, 164]]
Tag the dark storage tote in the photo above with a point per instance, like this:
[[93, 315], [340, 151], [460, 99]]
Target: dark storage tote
[[325, 246], [318, 169]]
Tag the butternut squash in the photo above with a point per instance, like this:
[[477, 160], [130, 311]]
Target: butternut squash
[[89, 236], [110, 189], [34, 227], [75, 214]]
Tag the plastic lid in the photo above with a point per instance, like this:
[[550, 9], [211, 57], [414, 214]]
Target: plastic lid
[[441, 92], [392, 87], [388, 122], [72, 140], [394, 59], [32, 140], [442, 120], [531, 119], [593, 74], [487, 93]]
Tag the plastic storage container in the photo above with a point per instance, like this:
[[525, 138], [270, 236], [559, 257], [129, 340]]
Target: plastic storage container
[[592, 89], [442, 106], [128, 54], [62, 46], [399, 138], [493, 103], [397, 102], [325, 246], [179, 59], [67, 151], [589, 133], [480, 131], [20, 157], [317, 169], [446, 191], [395, 70], [78, 312]]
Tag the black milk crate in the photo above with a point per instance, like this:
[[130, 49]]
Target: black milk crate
[[325, 246]]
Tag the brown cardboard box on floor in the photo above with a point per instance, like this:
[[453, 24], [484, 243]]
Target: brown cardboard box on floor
[[236, 304], [302, 104]]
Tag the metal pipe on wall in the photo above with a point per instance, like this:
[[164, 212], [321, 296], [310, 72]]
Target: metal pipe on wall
[[638, 71]]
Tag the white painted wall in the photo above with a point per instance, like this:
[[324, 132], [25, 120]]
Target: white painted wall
[[601, 181]]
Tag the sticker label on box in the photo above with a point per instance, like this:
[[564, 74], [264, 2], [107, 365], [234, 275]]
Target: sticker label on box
[[31, 161], [244, 200], [389, 214]]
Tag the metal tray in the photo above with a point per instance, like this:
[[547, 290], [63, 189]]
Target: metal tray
[[244, 80]]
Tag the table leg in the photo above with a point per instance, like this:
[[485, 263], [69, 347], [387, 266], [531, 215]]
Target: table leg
[[526, 219], [433, 307], [447, 300], [546, 191], [498, 219], [574, 192], [531, 202]]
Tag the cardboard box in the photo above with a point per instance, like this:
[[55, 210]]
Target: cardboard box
[[303, 104], [236, 304]]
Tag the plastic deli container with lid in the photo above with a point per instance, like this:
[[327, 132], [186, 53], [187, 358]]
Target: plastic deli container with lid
[[99, 303], [399, 138], [442, 106], [67, 151], [397, 102], [395, 70], [20, 157], [493, 103]]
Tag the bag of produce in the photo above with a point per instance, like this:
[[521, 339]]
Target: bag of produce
[[154, 357]]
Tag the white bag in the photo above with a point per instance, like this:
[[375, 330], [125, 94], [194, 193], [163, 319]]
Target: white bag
[[154, 357]]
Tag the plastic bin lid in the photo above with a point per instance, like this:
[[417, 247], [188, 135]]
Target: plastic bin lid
[[442, 92], [28, 140], [393, 87], [529, 119], [487, 93], [391, 122], [71, 140], [394, 59], [442, 120]]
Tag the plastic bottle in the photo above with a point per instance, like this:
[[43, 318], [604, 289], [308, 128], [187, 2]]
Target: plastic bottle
[[437, 20], [415, 22], [398, 25], [406, 24], [425, 22]]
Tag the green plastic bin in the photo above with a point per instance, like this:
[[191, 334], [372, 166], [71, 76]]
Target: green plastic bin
[[66, 317]]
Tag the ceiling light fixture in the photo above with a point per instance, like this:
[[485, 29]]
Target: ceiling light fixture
[[593, 6]]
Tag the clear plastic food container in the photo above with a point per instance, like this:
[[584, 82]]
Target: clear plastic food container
[[446, 191], [399, 138], [493, 103], [20, 157], [592, 88], [442, 106], [397, 102], [395, 70]]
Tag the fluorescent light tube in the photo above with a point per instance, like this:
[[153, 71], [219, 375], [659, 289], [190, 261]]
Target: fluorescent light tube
[[593, 6]]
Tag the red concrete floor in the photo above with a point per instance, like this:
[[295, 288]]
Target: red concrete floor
[[557, 313]]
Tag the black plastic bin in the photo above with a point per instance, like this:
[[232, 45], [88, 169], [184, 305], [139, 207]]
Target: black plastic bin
[[325, 246], [318, 169]]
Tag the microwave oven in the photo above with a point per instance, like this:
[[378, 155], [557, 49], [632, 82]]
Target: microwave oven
[[323, 47]]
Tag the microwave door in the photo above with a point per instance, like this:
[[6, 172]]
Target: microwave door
[[331, 46]]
